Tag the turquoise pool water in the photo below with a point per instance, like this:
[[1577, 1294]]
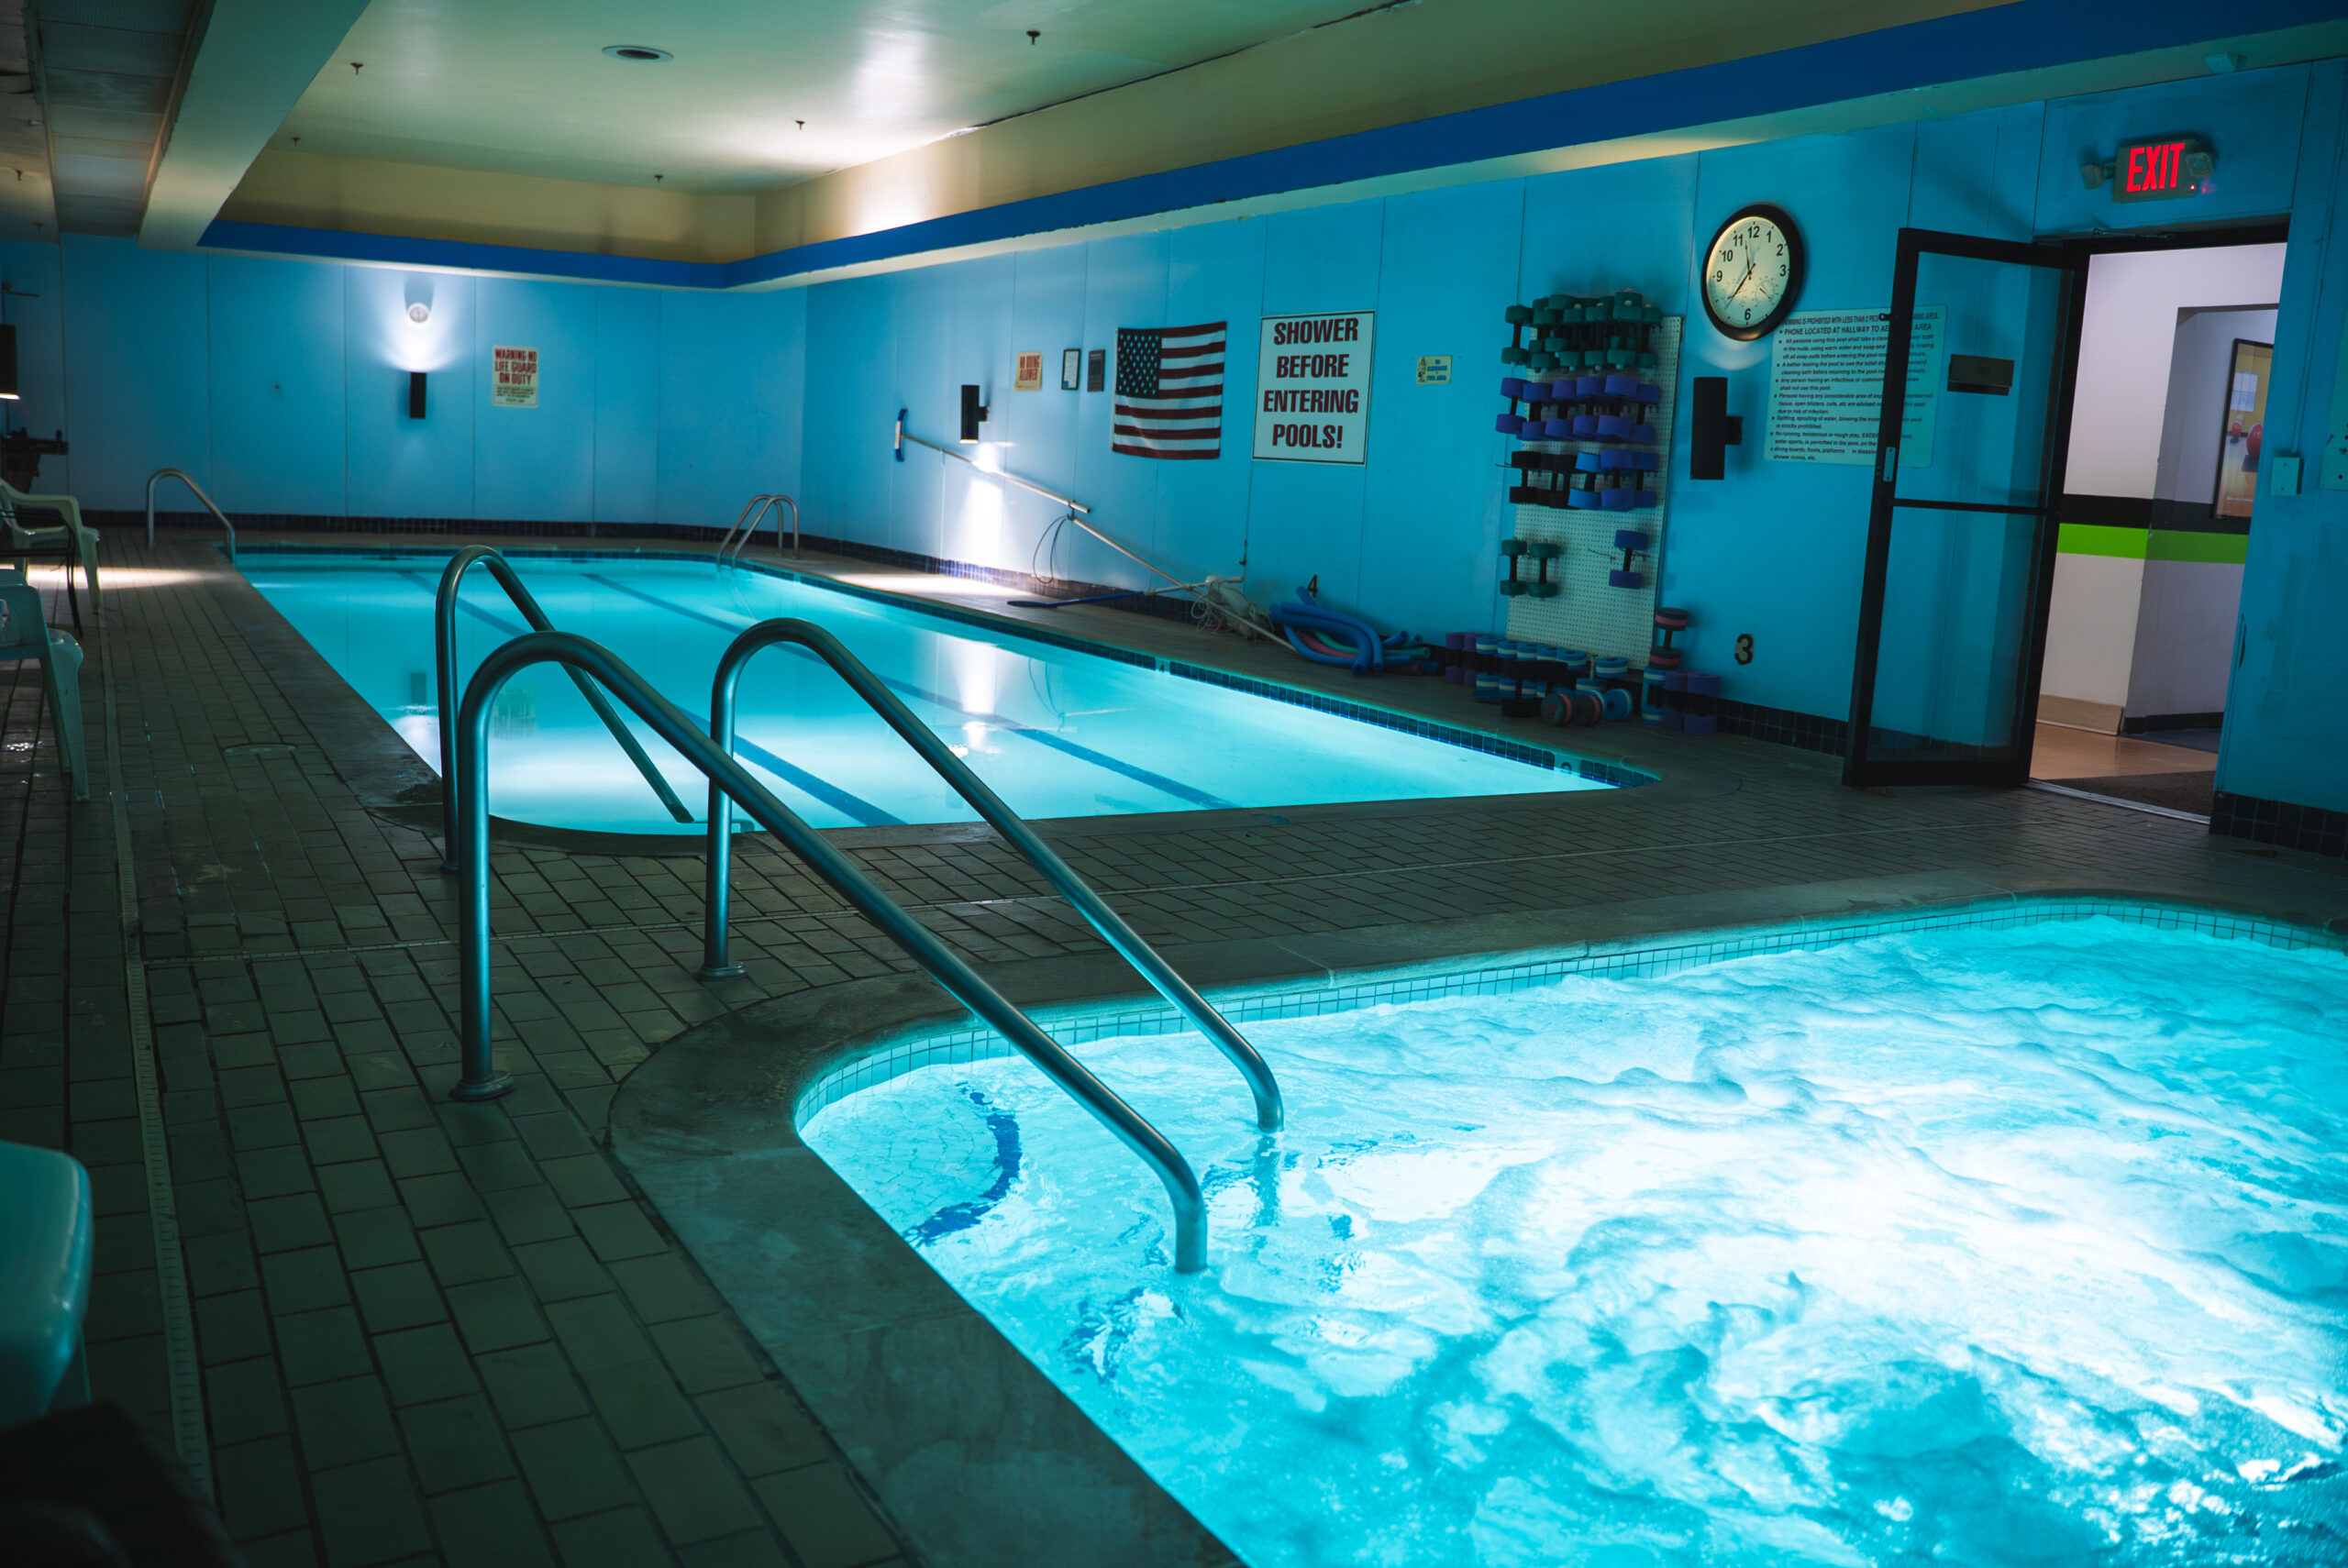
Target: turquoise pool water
[[1971, 1247], [1057, 732]]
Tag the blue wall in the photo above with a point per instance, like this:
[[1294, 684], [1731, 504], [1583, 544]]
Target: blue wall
[[2286, 721], [283, 387], [1409, 538]]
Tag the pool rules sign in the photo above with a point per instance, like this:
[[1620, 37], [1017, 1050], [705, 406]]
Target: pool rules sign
[[514, 377], [1314, 376]]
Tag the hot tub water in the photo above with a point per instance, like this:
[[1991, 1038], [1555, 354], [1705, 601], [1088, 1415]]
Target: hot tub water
[[2019, 1246]]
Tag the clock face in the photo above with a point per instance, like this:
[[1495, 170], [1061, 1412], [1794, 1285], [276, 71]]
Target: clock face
[[1752, 272]]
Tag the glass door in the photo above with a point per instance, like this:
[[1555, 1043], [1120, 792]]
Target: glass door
[[1961, 543]]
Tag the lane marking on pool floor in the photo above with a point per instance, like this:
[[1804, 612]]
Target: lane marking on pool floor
[[848, 803], [1131, 771]]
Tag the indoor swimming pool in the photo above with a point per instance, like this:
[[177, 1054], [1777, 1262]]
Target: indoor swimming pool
[[1057, 731], [1993, 1244]]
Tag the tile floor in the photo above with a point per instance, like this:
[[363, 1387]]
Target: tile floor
[[433, 1332]]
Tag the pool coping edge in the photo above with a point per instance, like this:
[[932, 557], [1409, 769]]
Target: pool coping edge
[[935, 1408], [1617, 775]]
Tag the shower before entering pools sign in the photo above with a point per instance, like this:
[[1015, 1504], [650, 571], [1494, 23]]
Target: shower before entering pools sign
[[1312, 376], [514, 377]]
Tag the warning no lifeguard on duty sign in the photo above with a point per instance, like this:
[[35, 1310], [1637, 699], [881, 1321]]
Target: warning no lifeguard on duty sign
[[1312, 376]]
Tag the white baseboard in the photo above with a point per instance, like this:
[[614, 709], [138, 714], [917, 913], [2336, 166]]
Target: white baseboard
[[2078, 713]]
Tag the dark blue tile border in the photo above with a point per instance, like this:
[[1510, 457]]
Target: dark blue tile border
[[1614, 774], [2281, 823]]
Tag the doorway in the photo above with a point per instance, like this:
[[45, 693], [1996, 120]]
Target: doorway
[[1981, 342], [2161, 476]]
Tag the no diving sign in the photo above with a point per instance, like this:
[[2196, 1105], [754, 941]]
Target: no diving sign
[[1313, 373]]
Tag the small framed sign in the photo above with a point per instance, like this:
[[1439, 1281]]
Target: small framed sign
[[1031, 371], [514, 377], [1096, 369], [1071, 368], [1435, 369]]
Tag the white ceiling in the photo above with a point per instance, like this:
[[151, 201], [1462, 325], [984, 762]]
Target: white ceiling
[[523, 86]]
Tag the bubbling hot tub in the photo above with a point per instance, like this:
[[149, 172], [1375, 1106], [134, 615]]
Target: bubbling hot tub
[[2009, 1236]]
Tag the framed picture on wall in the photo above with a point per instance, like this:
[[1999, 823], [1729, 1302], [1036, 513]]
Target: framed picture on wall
[[2245, 428]]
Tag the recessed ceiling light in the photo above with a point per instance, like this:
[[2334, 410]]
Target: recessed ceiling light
[[636, 51]]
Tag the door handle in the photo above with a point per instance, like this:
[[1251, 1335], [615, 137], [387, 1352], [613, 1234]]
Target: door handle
[[1890, 469]]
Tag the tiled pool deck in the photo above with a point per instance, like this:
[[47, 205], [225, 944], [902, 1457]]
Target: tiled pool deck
[[430, 1332]]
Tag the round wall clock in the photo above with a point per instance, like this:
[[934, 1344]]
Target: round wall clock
[[1753, 271]]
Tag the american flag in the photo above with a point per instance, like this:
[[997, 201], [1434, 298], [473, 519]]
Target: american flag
[[1169, 392]]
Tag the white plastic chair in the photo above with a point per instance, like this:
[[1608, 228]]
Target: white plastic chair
[[26, 633], [84, 539]]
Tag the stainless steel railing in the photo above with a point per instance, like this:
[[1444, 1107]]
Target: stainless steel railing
[[989, 805], [182, 475], [748, 524], [481, 1080], [444, 641]]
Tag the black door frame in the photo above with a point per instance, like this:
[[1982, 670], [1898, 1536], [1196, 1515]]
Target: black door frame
[[2184, 236], [1859, 769]]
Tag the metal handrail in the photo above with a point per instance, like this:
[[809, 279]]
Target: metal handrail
[[999, 816], [444, 648], [481, 1080], [1078, 512], [182, 475], [755, 512], [903, 436]]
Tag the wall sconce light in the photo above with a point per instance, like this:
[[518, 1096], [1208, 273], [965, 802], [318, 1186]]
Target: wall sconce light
[[415, 395], [974, 414], [8, 393], [419, 313], [1714, 430]]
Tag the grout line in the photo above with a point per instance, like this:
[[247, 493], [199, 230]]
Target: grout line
[[1411, 868], [181, 1367]]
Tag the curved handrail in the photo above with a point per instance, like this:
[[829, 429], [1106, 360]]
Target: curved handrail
[[757, 503], [756, 514], [480, 1079], [1000, 817], [182, 475], [444, 648]]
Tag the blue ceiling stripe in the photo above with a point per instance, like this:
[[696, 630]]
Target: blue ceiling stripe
[[2026, 34], [401, 250]]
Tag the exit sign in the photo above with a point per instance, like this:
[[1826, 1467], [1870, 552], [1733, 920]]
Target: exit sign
[[2162, 171]]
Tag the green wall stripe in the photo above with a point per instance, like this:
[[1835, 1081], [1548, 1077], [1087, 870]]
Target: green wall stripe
[[2213, 550], [2098, 540], [2154, 544]]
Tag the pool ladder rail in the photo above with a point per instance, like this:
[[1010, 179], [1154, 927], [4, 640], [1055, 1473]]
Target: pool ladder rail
[[729, 550], [877, 696], [188, 480], [481, 1080], [444, 641]]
